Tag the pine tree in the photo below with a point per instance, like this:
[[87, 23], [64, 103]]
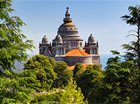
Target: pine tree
[[133, 50]]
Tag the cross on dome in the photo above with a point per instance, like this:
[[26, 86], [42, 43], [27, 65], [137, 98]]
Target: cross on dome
[[67, 8], [67, 12]]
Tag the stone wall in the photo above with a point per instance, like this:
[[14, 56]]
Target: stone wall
[[96, 59], [72, 60], [59, 58]]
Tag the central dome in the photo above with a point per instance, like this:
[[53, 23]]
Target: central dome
[[68, 29]]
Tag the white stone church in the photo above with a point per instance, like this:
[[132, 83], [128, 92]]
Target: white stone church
[[68, 46]]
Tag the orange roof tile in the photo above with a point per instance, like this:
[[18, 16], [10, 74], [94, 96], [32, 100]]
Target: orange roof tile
[[83, 50], [77, 52], [73, 66]]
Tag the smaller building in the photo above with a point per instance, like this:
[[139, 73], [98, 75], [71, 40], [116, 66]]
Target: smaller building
[[68, 46]]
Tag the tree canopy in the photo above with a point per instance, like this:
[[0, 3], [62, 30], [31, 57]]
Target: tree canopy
[[12, 44], [43, 68], [63, 74]]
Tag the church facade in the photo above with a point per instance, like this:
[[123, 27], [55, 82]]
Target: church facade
[[68, 46]]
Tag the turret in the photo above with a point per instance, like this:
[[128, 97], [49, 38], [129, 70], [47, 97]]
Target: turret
[[45, 40], [91, 39], [91, 47], [58, 39], [44, 45], [58, 47]]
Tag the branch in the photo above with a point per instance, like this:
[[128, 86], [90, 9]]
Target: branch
[[131, 34], [132, 31]]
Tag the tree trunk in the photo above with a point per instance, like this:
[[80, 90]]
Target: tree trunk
[[138, 55], [138, 42]]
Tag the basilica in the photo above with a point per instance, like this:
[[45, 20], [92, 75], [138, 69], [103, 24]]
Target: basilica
[[68, 46]]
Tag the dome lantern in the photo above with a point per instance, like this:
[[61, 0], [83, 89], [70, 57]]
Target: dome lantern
[[68, 30], [67, 16]]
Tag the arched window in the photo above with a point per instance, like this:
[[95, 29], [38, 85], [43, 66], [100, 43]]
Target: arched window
[[62, 52], [40, 51], [92, 50], [80, 44], [95, 51], [59, 51], [71, 44]]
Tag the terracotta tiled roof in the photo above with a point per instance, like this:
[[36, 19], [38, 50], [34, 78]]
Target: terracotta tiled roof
[[77, 52], [83, 50], [84, 66], [73, 66]]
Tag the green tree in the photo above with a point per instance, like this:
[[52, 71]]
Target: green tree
[[97, 67], [122, 81], [89, 79], [99, 94], [11, 91], [52, 61], [78, 69], [12, 46], [29, 79], [63, 74], [133, 19], [44, 70], [37, 61], [72, 94]]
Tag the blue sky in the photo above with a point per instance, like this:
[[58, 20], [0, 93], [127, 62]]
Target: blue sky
[[99, 17]]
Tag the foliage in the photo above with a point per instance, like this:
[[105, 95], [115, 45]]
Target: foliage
[[98, 94], [12, 46], [63, 74], [47, 98], [133, 49], [78, 69], [44, 70], [72, 94], [89, 79], [52, 61], [37, 61], [96, 67], [12, 92], [122, 81], [120, 84], [133, 17]]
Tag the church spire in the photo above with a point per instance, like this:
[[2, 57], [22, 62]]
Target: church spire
[[67, 16]]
